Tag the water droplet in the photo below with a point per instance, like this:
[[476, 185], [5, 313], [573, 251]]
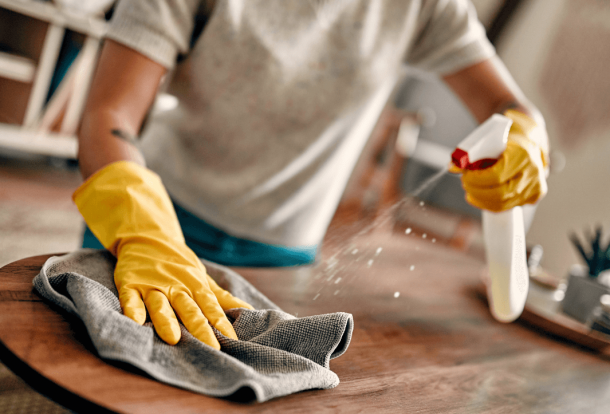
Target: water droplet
[[408, 230], [338, 280], [336, 292], [379, 249], [412, 268], [423, 236], [433, 240], [370, 263], [316, 297], [354, 251], [396, 294]]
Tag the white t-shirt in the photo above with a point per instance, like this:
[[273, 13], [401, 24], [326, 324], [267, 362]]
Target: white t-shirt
[[278, 97]]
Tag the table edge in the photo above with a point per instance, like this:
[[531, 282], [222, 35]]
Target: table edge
[[36, 380]]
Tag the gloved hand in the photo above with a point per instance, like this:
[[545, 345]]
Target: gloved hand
[[128, 209], [517, 178]]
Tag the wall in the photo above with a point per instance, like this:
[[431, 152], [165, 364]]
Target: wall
[[557, 50]]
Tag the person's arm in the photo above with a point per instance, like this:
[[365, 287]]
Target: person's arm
[[519, 177], [123, 89], [128, 209], [487, 88]]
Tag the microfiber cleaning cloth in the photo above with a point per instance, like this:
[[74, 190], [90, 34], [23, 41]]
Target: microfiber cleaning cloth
[[277, 354]]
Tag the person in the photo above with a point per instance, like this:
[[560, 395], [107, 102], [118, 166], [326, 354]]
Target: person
[[276, 100]]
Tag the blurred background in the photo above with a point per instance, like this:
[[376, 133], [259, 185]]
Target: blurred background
[[557, 51]]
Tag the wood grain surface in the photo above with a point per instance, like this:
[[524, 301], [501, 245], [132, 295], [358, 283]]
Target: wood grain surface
[[424, 342]]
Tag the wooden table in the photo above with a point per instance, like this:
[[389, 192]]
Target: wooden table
[[424, 342]]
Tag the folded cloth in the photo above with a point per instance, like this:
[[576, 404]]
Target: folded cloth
[[277, 354]]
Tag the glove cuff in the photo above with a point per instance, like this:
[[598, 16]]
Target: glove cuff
[[124, 199]]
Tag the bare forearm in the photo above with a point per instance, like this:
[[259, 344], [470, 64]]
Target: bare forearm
[[123, 90], [487, 88], [105, 138]]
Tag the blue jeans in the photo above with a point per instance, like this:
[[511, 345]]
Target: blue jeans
[[217, 246]]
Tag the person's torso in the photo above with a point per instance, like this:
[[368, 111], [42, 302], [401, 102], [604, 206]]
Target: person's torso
[[276, 100]]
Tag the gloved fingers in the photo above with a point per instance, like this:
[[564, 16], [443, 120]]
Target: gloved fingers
[[162, 316], [225, 299], [495, 206], [521, 190], [512, 161], [194, 320], [484, 205], [500, 191], [213, 311], [489, 177], [497, 198], [132, 305]]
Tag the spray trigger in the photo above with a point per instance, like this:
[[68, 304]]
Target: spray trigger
[[484, 145]]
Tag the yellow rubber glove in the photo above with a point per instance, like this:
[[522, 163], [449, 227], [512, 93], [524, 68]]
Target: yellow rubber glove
[[129, 211], [517, 178]]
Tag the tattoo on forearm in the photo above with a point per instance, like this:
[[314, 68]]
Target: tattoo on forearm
[[125, 136]]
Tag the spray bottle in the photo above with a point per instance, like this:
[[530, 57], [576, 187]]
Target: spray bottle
[[503, 233]]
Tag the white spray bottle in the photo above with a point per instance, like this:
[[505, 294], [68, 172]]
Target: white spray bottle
[[503, 233]]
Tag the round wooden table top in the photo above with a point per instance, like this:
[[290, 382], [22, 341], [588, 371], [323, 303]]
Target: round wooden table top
[[424, 342]]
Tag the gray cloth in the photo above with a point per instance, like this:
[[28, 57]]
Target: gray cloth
[[277, 354]]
